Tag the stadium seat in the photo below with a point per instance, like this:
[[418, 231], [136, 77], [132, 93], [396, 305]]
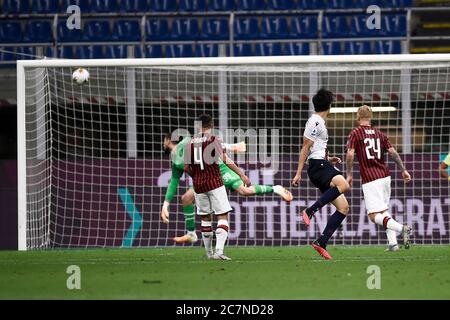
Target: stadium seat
[[121, 52], [303, 27], [153, 51], [67, 35], [340, 4], [103, 6], [334, 26], [243, 49], [157, 29], [207, 50], [26, 53], [132, 6], [246, 28], [83, 4], [163, 5], [44, 6], [184, 29], [215, 29], [65, 52], [7, 56], [179, 51], [274, 28], [221, 5], [39, 31], [398, 3], [192, 5], [89, 52], [96, 31], [10, 32], [331, 48], [126, 30], [16, 6], [366, 3], [296, 48], [280, 4], [268, 49], [394, 25], [359, 28], [311, 4], [357, 47], [388, 47], [253, 5]]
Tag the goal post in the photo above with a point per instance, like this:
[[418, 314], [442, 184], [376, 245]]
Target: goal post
[[91, 171]]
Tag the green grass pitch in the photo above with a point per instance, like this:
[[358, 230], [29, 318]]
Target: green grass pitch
[[423, 272]]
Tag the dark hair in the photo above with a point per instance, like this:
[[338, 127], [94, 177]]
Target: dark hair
[[322, 100], [206, 120]]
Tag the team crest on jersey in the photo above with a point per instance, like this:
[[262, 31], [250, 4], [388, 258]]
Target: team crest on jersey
[[314, 132]]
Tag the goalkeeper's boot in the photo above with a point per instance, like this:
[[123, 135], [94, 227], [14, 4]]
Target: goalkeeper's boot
[[406, 233], [220, 256], [321, 250], [190, 237], [392, 248], [306, 218], [283, 192]]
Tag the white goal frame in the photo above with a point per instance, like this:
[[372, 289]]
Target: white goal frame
[[21, 94]]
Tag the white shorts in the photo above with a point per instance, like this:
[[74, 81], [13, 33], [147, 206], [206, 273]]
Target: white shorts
[[377, 194], [212, 202]]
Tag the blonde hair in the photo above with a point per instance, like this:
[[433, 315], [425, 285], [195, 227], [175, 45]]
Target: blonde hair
[[364, 113]]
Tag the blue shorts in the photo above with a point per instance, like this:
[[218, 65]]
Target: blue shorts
[[321, 172]]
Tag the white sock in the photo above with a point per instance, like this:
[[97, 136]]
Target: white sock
[[221, 235], [385, 220], [392, 237], [207, 236]]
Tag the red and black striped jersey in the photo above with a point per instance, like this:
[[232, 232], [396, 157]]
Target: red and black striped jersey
[[370, 145], [202, 154]]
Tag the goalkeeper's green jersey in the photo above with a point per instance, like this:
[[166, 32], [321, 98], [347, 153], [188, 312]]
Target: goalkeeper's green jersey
[[229, 177]]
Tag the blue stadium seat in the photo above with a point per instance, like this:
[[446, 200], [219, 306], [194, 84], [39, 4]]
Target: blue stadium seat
[[207, 50], [388, 47], [331, 48], [67, 35], [163, 5], [359, 28], [304, 27], [153, 51], [184, 29], [132, 6], [334, 26], [296, 48], [96, 31], [103, 6], [253, 5], [280, 4], [179, 51], [339, 4], [242, 49], [83, 4], [157, 29], [398, 3], [26, 53], [126, 30], [89, 52], [366, 3], [16, 6], [215, 29], [65, 52], [246, 28], [192, 5], [394, 24], [311, 4], [44, 6], [357, 47], [39, 31], [221, 5], [121, 52], [274, 28], [7, 56], [268, 49], [10, 32]]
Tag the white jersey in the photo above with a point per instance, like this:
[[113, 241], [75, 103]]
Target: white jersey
[[316, 131]]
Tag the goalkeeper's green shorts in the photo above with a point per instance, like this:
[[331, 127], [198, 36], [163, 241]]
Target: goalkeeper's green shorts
[[230, 179]]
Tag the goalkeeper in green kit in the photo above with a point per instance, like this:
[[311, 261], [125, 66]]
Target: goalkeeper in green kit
[[230, 179]]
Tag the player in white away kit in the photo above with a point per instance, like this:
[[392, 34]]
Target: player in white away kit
[[322, 171], [370, 144]]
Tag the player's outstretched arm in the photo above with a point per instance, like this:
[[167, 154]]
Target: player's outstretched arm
[[240, 147], [230, 163], [396, 157], [304, 152], [350, 158], [170, 193]]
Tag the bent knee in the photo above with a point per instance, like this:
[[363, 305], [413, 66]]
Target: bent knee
[[345, 209], [186, 199], [246, 192]]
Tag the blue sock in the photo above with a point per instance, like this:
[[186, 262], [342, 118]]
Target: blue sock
[[333, 223], [326, 198]]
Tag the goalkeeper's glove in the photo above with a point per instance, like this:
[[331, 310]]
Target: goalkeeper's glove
[[165, 212], [240, 147]]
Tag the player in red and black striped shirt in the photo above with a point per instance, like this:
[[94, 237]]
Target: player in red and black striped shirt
[[370, 144], [201, 158]]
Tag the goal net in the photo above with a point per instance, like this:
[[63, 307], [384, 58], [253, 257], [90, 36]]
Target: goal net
[[92, 171]]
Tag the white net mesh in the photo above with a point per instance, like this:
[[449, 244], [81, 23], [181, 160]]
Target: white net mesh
[[97, 175]]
